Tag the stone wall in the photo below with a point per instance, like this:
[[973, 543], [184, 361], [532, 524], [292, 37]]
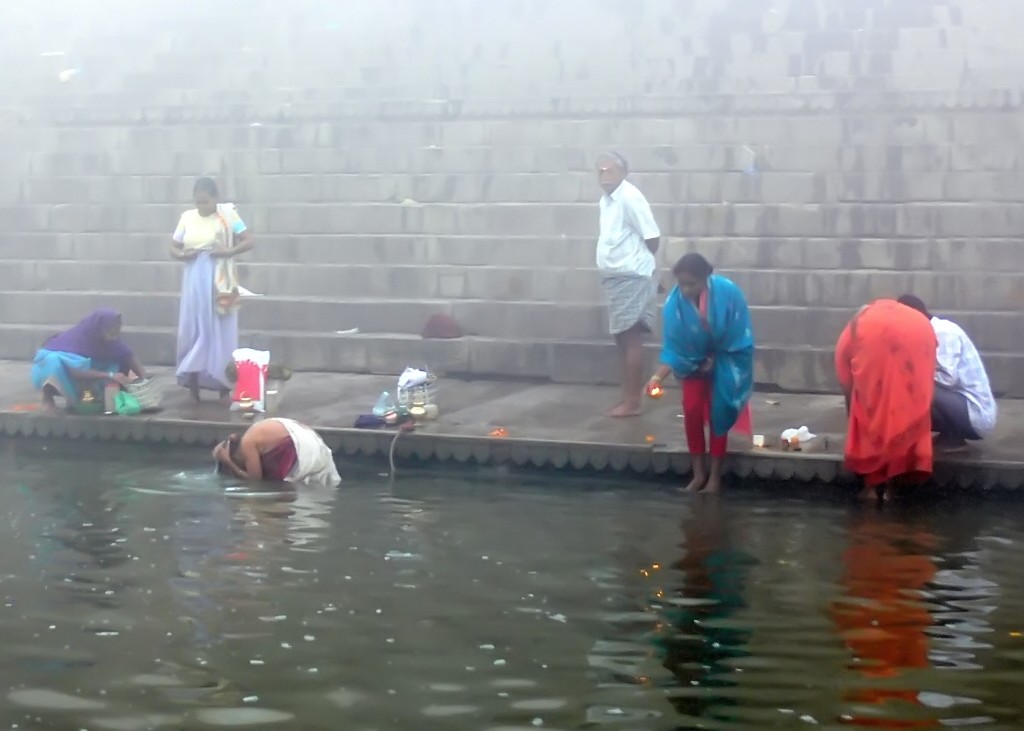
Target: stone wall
[[401, 158]]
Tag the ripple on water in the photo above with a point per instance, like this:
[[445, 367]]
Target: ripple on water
[[153, 680], [133, 723], [619, 714], [446, 687], [242, 716], [436, 711], [540, 704], [345, 698], [52, 700], [512, 683]]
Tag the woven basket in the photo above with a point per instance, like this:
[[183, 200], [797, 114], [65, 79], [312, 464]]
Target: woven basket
[[419, 395], [147, 392]]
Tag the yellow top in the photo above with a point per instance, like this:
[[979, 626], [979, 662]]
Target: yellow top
[[202, 232]]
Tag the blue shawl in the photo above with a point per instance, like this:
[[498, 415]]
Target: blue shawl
[[728, 336]]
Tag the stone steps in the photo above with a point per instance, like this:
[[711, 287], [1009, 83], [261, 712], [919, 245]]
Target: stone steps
[[746, 220], [234, 130], [790, 253], [315, 249], [447, 166], [766, 187], [557, 155], [969, 295], [389, 312], [799, 368], [238, 95]]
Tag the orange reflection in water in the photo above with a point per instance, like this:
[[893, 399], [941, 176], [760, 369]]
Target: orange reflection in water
[[884, 621]]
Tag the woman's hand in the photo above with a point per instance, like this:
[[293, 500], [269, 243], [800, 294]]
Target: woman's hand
[[220, 452], [120, 379], [221, 252], [184, 254], [709, 365]]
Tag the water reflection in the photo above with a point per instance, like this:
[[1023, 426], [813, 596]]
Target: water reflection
[[230, 545], [712, 572], [884, 620], [200, 537], [85, 544]]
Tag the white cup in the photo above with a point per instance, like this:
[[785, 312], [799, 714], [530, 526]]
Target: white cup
[[759, 441]]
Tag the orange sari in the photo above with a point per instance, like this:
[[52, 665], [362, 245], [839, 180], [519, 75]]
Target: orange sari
[[885, 362]]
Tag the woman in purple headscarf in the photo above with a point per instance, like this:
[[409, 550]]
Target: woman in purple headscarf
[[90, 354]]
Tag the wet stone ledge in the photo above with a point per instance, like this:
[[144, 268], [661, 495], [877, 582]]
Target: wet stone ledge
[[628, 460]]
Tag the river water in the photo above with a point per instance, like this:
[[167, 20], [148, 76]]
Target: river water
[[139, 591]]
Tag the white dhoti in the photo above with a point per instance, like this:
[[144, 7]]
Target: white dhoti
[[314, 463]]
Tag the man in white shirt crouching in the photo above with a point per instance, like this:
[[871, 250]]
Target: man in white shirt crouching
[[626, 247], [963, 407]]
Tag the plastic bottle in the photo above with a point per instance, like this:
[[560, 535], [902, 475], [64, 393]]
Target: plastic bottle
[[384, 405]]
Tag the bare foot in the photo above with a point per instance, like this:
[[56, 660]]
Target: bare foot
[[697, 483], [714, 485], [225, 397], [48, 406], [624, 410], [872, 494]]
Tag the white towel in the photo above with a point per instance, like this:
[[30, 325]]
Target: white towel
[[315, 462]]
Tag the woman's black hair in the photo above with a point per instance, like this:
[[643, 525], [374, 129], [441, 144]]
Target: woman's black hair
[[915, 303], [206, 185], [695, 265], [234, 452]]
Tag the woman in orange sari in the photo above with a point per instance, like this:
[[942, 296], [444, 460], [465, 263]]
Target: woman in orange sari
[[885, 362]]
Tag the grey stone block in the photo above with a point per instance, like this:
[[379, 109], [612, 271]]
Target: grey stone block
[[25, 218], [393, 355], [799, 327], [582, 362], [525, 359], [526, 320], [975, 157]]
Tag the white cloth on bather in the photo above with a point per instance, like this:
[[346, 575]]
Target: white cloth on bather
[[314, 463]]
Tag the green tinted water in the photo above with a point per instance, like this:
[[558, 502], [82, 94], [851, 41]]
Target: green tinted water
[[138, 591]]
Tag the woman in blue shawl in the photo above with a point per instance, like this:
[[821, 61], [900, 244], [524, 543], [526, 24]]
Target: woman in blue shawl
[[89, 355], [708, 344]]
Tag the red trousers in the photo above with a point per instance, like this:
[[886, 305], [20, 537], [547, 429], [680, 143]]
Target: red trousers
[[697, 414]]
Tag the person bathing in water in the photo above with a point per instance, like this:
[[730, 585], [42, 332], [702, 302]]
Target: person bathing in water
[[278, 450]]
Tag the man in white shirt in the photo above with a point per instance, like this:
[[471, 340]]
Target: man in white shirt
[[963, 407], [626, 247]]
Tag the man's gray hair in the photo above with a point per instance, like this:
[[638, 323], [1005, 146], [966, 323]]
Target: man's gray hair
[[615, 158]]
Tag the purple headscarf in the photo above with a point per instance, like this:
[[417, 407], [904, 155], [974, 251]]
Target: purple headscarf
[[86, 339]]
